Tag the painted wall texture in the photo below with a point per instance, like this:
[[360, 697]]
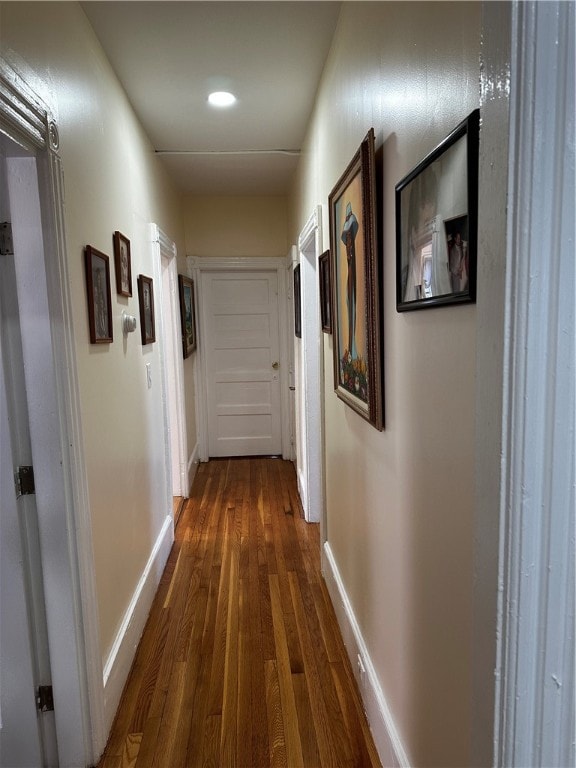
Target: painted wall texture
[[112, 182], [400, 503], [236, 226]]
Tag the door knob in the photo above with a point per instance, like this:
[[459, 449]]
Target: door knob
[[276, 365]]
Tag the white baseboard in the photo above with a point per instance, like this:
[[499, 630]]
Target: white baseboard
[[384, 733], [300, 479], [193, 462], [121, 656]]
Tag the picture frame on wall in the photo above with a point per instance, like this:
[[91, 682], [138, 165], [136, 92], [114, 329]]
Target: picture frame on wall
[[297, 303], [146, 303], [356, 310], [436, 224], [98, 293], [122, 264], [187, 314], [325, 281]]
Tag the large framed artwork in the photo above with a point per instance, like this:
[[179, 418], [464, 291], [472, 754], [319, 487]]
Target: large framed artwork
[[356, 318], [98, 290], [187, 315], [146, 302], [436, 224]]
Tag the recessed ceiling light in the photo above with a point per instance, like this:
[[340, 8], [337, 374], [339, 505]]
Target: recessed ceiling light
[[221, 99]]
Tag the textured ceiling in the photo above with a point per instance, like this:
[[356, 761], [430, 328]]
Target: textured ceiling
[[170, 55]]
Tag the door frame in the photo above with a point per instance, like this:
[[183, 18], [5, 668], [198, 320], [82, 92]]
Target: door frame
[[291, 262], [65, 526], [536, 588], [165, 249], [522, 669], [198, 266], [25, 737], [311, 386]]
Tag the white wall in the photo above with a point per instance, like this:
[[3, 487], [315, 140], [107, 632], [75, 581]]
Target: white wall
[[236, 226], [112, 182], [492, 237], [400, 503]]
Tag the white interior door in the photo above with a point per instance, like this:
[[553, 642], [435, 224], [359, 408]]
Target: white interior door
[[20, 743], [309, 464], [241, 333], [26, 737], [172, 362], [60, 549]]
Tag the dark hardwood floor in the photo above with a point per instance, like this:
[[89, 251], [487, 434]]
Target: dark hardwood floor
[[241, 662]]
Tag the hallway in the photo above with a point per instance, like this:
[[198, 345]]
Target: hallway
[[241, 662]]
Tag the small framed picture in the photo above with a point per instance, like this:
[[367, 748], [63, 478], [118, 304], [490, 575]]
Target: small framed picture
[[187, 314], [297, 303], [146, 301], [436, 224], [99, 301], [324, 276], [123, 264]]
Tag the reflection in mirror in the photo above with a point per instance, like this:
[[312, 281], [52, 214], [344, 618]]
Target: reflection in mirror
[[436, 228], [436, 215]]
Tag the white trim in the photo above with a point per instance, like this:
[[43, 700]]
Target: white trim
[[310, 229], [161, 341], [283, 325], [310, 384], [201, 446], [165, 248], [197, 265], [290, 405], [535, 670], [78, 500], [301, 480], [125, 644], [192, 467], [166, 245], [386, 737], [25, 117], [75, 655], [492, 266], [209, 264]]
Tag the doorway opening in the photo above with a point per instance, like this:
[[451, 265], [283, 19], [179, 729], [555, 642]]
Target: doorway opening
[[57, 598], [310, 377], [26, 737], [172, 371]]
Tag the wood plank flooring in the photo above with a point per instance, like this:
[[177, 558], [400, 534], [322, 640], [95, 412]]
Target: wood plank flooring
[[241, 662]]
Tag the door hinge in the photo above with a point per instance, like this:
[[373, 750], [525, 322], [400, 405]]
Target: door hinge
[[6, 243], [24, 481], [45, 699]]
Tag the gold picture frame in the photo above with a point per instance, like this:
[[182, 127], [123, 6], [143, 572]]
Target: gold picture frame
[[356, 315]]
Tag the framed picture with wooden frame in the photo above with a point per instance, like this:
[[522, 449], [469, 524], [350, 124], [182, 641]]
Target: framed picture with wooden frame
[[356, 314], [146, 302], [325, 281], [187, 314], [99, 299], [436, 223], [123, 264]]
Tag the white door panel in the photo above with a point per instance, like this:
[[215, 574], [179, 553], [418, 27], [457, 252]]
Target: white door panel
[[20, 743], [251, 395], [21, 597], [240, 318]]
